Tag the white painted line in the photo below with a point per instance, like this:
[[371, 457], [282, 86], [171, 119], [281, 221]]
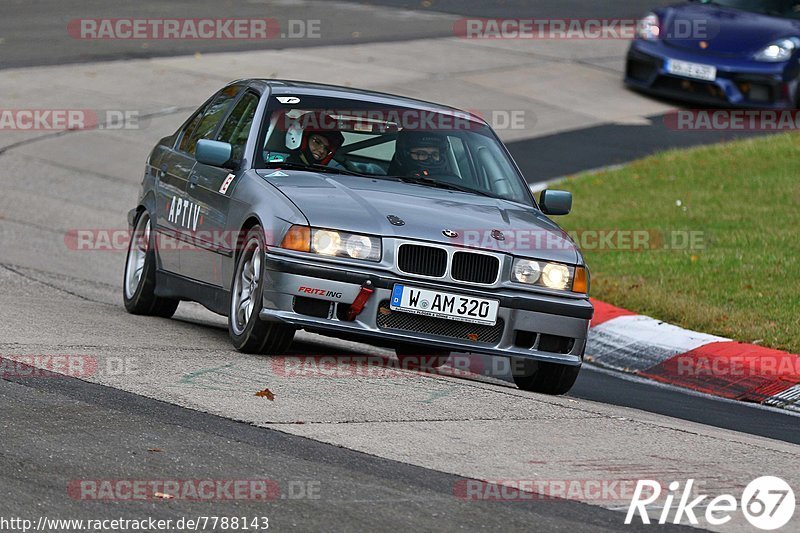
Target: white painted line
[[788, 399], [637, 342]]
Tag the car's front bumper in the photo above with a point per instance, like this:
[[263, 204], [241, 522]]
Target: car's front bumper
[[316, 297], [739, 83]]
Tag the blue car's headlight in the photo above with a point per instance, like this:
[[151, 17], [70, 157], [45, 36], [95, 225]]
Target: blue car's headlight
[[780, 50], [648, 28]]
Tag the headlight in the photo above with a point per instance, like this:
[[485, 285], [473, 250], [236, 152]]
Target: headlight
[[527, 271], [332, 243], [550, 275], [780, 50], [555, 276], [648, 28]]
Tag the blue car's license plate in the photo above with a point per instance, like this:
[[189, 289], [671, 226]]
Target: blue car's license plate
[[687, 69]]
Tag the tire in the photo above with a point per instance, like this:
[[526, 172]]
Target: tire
[[416, 356], [139, 281], [248, 332], [545, 378]]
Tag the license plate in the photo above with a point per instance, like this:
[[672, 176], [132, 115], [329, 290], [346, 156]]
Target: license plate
[[444, 305], [691, 70]]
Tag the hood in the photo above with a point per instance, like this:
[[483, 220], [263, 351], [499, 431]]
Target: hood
[[363, 205], [729, 32]]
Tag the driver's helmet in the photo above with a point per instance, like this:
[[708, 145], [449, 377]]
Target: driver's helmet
[[421, 152], [299, 134]]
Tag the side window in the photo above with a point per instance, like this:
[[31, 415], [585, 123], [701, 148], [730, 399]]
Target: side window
[[187, 131], [237, 127], [214, 113]]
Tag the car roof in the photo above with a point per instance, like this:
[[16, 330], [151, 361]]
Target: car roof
[[294, 87]]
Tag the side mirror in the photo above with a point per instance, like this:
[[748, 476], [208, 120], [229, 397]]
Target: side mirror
[[555, 202], [214, 153]]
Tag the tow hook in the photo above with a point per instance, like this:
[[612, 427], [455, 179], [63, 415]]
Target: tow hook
[[361, 300]]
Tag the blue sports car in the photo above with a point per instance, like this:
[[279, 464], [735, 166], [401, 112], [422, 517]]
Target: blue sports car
[[742, 53]]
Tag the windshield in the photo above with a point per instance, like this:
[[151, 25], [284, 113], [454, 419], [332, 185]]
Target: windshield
[[448, 150], [780, 8]]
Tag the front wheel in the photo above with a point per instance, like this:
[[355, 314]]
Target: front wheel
[[247, 331], [139, 282], [546, 378]]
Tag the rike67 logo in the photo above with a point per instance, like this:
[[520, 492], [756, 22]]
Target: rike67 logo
[[768, 503]]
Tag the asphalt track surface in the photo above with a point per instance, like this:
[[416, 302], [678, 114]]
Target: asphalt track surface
[[56, 430], [34, 33], [606, 145], [104, 429]]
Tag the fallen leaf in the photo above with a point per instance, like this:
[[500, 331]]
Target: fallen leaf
[[266, 393]]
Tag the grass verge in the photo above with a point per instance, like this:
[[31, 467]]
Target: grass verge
[[722, 227]]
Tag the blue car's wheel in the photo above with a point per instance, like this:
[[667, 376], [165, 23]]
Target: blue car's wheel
[[139, 283], [248, 332]]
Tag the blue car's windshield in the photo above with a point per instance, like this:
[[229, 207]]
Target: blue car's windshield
[[779, 8], [450, 150]]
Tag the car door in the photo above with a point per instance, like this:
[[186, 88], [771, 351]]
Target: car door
[[174, 169], [210, 188]]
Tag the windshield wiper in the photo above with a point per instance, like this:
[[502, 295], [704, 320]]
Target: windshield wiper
[[315, 166], [430, 182]]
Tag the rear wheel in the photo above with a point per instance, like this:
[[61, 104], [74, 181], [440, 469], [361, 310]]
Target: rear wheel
[[546, 378], [247, 331], [416, 356], [139, 282]]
